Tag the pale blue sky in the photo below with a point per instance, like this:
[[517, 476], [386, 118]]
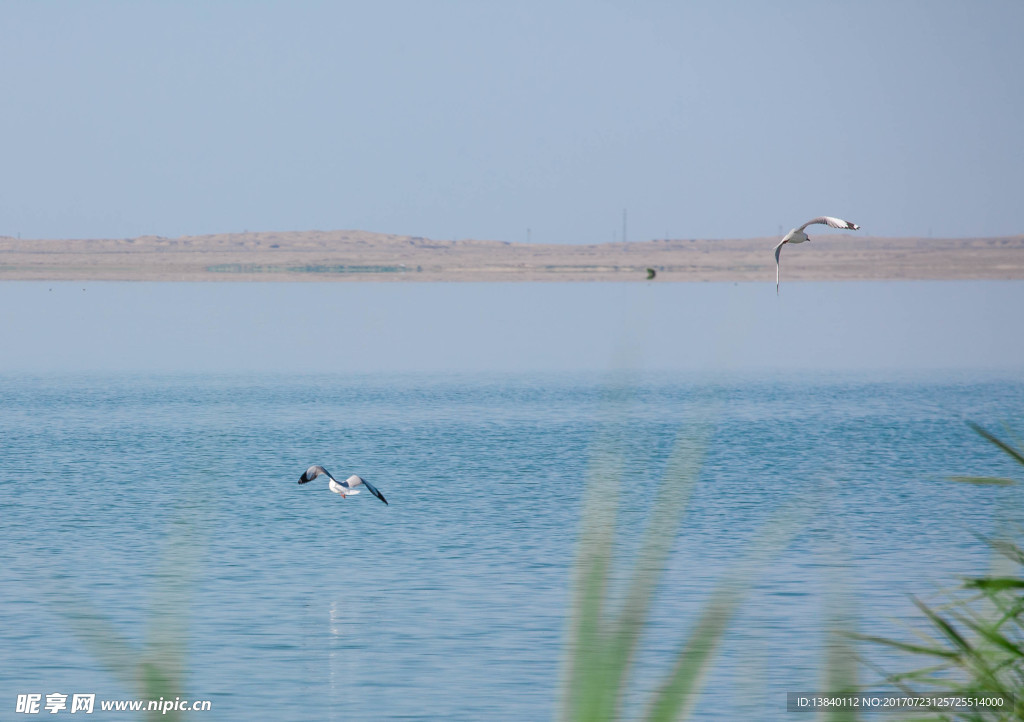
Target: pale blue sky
[[483, 119]]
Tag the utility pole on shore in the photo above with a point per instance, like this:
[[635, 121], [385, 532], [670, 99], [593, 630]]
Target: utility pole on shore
[[624, 236]]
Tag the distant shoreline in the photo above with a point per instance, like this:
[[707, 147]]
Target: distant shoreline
[[366, 256]]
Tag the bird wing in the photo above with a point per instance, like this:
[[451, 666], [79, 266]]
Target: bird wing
[[315, 471], [778, 250], [831, 222], [356, 481]]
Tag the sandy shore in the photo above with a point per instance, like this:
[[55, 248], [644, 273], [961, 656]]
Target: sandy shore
[[365, 256]]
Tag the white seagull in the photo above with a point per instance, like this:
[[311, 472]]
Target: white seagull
[[345, 488], [797, 235]]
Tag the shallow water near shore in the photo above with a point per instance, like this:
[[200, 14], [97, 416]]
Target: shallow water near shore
[[156, 427], [706, 328]]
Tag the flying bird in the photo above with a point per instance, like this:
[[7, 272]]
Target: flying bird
[[344, 488], [797, 235]]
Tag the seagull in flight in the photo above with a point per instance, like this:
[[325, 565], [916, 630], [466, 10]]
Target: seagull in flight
[[345, 488], [797, 235]]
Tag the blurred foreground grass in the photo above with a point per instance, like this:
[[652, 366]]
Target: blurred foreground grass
[[157, 670], [975, 648], [603, 636]]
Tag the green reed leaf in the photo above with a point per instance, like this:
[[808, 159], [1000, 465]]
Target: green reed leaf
[[983, 480], [995, 584], [1015, 454]]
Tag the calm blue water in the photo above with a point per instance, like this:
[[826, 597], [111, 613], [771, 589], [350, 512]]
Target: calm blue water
[[451, 602]]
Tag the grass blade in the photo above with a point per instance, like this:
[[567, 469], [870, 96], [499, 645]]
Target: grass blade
[[992, 438], [983, 480], [679, 693], [994, 584], [585, 690], [666, 516]]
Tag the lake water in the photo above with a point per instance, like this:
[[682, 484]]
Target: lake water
[[451, 602]]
